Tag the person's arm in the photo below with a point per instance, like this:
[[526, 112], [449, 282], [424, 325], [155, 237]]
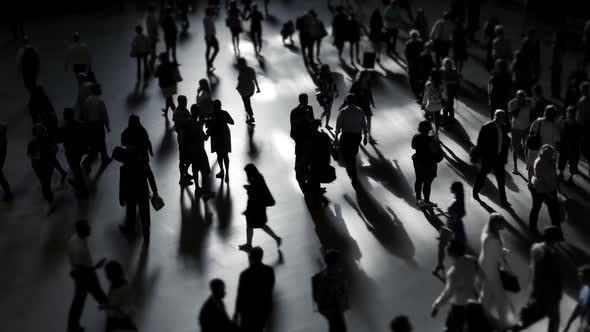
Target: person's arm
[[230, 120], [427, 92], [255, 81], [575, 314], [105, 116]]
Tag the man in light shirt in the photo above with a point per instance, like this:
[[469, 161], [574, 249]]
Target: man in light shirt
[[211, 41], [94, 113], [462, 285], [441, 36], [521, 114], [78, 56], [84, 275], [351, 128]]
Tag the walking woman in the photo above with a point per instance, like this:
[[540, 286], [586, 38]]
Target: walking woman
[[425, 162], [247, 85], [120, 299], [432, 101], [259, 198], [548, 131], [168, 77], [492, 259], [454, 230], [327, 90], [234, 23], [363, 93], [204, 100], [218, 130], [136, 136], [451, 79], [376, 33], [140, 49]]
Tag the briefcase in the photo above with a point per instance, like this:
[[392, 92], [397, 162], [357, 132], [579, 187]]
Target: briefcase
[[369, 60]]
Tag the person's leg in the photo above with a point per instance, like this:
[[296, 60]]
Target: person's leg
[[456, 319], [500, 174], [226, 163], [554, 317], [144, 215], [215, 47], [553, 206], [395, 33], [144, 59], [77, 306], [60, 169], [356, 48], [574, 161], [95, 289], [249, 236], [481, 177], [138, 60], [248, 106], [130, 217], [426, 189], [45, 173], [74, 163], [418, 184], [535, 208], [271, 233], [220, 162]]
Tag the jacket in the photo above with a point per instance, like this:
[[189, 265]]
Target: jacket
[[487, 143]]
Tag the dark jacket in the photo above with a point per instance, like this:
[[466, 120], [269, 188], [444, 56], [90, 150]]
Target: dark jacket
[[414, 49], [487, 143], [135, 180], [301, 118], [255, 290], [74, 137], [214, 318]]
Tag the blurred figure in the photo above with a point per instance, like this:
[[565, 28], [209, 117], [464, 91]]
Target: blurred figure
[[353, 28], [459, 46], [78, 56], [420, 23], [182, 118], [570, 144], [213, 316], [3, 147], [211, 42], [140, 49], [330, 292], [247, 85], [218, 130], [441, 35], [168, 77], [434, 98], [339, 30], [95, 115], [256, 18], [499, 87], [581, 309], [74, 137], [361, 89], [549, 134], [425, 163], [326, 92], [451, 79], [413, 50], [501, 46], [195, 140], [120, 298], [401, 324], [301, 119], [489, 34], [152, 27], [392, 20], [522, 77], [456, 212], [521, 116], [28, 63], [557, 53], [234, 23], [376, 33], [351, 129], [168, 24], [544, 185], [531, 52], [42, 152]]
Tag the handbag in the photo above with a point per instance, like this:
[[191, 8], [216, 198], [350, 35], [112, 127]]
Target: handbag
[[533, 141], [509, 281], [157, 202]]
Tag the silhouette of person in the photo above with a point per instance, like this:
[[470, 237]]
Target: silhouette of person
[[425, 163], [170, 33], [330, 290], [140, 49], [581, 309], [433, 98], [28, 62], [351, 129], [204, 99], [152, 26], [318, 157], [40, 105], [414, 47], [255, 293], [353, 30], [183, 8], [181, 118], [42, 150], [120, 299], [95, 115], [211, 42], [401, 324], [572, 134], [74, 137], [301, 127], [361, 88], [168, 77], [317, 32], [83, 272], [376, 33], [500, 87], [78, 56], [492, 149], [427, 64], [3, 147], [451, 78], [136, 180], [195, 140], [327, 91], [544, 187], [234, 23], [256, 18], [136, 136], [303, 24], [456, 213], [392, 20], [259, 198], [213, 316], [247, 85], [521, 114], [441, 35], [218, 130], [339, 28]]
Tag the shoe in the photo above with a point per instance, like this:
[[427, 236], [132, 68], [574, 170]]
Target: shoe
[[429, 204], [372, 140], [245, 247], [220, 175]]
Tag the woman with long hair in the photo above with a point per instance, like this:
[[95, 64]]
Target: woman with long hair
[[218, 130], [136, 136], [492, 259], [327, 90], [259, 198]]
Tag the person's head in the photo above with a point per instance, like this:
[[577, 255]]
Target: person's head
[[139, 29], [312, 13], [436, 77], [414, 34], [570, 112], [584, 274], [500, 117], [114, 271], [520, 96], [68, 114], [134, 122], [585, 88], [255, 256], [456, 249], [252, 172], [217, 287], [204, 84], [242, 63], [350, 99], [499, 30], [550, 113], [552, 235], [547, 152], [448, 64], [500, 66], [303, 99], [457, 189], [496, 223], [255, 7], [424, 127], [182, 101], [538, 91], [39, 130], [195, 110], [76, 37], [82, 228], [217, 105], [96, 89], [332, 258], [446, 16], [401, 324]]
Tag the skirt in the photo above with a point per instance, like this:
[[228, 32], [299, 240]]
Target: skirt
[[255, 216], [170, 91]]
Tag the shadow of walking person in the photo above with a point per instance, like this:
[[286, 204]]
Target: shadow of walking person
[[194, 230]]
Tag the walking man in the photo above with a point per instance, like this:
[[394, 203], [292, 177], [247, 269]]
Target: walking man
[[211, 42], [78, 56], [351, 129], [301, 129]]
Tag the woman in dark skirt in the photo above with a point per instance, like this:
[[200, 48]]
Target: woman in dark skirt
[[218, 130], [259, 198]]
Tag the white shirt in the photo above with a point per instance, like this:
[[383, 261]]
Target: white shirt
[[209, 27], [351, 119], [79, 253], [522, 121], [78, 54], [95, 110], [462, 283], [548, 130]]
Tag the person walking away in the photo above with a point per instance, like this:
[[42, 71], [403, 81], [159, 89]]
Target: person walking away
[[451, 79], [420, 23], [500, 88], [8, 197], [259, 198], [583, 117], [353, 28], [492, 149], [376, 33], [211, 42], [152, 26], [492, 259], [441, 35], [363, 93], [428, 154], [463, 282], [301, 119], [401, 324], [433, 99], [331, 292], [28, 64], [140, 49], [521, 116], [136, 136], [74, 137], [136, 179], [547, 285], [218, 130], [326, 92], [581, 309], [168, 77], [318, 157], [414, 47], [255, 293], [247, 85], [96, 117], [213, 317], [181, 118], [170, 29], [83, 273], [459, 46], [392, 20], [120, 297], [42, 152], [339, 30], [78, 56], [501, 46], [570, 144], [548, 131], [531, 51], [544, 187], [427, 64], [351, 129], [256, 17], [234, 23]]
